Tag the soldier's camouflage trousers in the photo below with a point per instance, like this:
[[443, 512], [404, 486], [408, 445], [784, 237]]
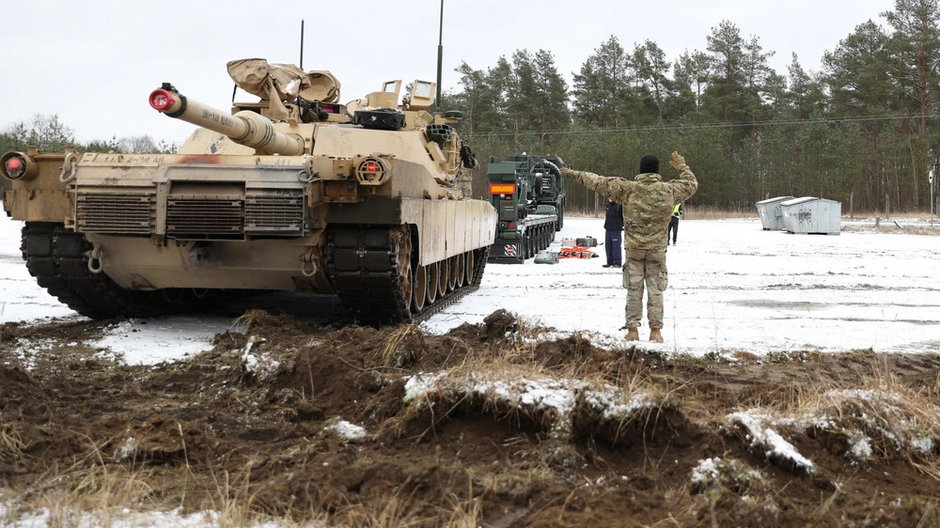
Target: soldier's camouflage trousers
[[645, 268]]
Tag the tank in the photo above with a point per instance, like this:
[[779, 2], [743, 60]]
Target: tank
[[294, 192]]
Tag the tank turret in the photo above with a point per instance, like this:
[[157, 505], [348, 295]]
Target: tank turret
[[245, 127]]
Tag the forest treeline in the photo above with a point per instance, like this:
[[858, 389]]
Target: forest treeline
[[865, 130]]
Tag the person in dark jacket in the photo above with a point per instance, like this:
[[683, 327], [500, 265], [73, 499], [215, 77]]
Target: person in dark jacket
[[613, 239]]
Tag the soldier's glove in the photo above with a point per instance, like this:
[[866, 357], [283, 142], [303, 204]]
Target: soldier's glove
[[567, 171], [678, 162]]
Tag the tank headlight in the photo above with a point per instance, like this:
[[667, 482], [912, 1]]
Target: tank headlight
[[17, 165], [371, 171]]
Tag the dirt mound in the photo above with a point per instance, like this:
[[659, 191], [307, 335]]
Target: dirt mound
[[487, 425]]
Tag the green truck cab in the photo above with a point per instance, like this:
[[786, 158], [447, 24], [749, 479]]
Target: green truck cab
[[528, 193]]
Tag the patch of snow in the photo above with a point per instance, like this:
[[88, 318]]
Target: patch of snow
[[151, 341], [731, 473], [120, 519], [128, 449], [558, 396], [346, 430], [924, 445], [706, 471], [258, 363], [420, 384], [859, 445], [868, 395], [888, 415], [770, 441], [611, 409]]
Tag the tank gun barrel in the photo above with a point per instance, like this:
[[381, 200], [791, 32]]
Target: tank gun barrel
[[246, 127]]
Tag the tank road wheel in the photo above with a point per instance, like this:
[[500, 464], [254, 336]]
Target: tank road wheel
[[469, 267], [420, 288], [444, 278], [400, 238], [452, 273], [434, 277], [459, 267]]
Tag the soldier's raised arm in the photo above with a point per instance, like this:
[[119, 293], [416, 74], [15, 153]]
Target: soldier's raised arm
[[687, 184], [613, 186]]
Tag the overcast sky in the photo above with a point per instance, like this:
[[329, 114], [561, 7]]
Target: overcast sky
[[94, 62]]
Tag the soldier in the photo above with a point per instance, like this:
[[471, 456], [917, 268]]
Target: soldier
[[647, 206]]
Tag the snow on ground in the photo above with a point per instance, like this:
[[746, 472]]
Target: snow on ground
[[150, 341], [732, 287], [120, 519], [735, 287]]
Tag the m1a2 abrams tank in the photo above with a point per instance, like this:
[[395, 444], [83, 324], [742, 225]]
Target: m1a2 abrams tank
[[294, 192]]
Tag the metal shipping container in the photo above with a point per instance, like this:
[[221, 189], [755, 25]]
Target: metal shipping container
[[771, 217], [811, 215]]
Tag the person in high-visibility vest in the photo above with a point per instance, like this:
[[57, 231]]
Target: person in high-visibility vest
[[673, 228]]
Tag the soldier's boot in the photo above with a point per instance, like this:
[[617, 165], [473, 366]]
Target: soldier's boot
[[633, 334], [655, 335]]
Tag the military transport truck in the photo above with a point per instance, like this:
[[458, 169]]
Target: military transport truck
[[528, 193], [294, 192]]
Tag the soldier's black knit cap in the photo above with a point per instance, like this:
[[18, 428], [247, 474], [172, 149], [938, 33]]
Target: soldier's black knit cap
[[649, 163]]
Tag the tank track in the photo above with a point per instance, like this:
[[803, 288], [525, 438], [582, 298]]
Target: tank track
[[58, 259], [365, 265]]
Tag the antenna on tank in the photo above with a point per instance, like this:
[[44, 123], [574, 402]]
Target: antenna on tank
[[302, 43], [440, 56]]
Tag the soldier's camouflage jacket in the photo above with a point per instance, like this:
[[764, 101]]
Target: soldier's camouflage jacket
[[647, 203]]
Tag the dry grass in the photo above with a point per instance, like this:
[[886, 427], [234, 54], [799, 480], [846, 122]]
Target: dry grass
[[98, 492], [879, 417], [465, 512], [11, 444], [388, 512], [392, 354], [894, 228], [713, 213]]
